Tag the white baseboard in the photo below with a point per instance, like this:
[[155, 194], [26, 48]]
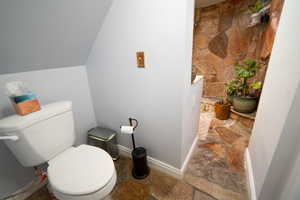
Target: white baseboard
[[249, 174], [164, 167], [189, 155], [173, 171]]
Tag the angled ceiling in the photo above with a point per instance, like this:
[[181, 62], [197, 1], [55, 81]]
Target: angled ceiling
[[41, 34]]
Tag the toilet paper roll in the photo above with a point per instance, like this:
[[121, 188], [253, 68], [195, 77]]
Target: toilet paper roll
[[127, 129]]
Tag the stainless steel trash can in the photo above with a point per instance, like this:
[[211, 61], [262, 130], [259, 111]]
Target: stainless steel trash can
[[105, 139]]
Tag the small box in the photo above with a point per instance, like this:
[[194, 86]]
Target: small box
[[25, 104]]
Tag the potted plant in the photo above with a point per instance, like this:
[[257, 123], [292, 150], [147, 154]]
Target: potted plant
[[259, 12], [231, 89], [222, 109], [246, 94]]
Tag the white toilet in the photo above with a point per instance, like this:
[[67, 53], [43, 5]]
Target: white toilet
[[75, 173]]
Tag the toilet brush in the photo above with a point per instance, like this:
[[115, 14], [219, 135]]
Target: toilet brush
[[140, 168]]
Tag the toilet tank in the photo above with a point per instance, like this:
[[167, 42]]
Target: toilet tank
[[42, 135]]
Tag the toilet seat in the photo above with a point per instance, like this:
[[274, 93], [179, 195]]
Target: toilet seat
[[80, 171]]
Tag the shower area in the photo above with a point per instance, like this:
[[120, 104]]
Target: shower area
[[224, 36], [227, 33]]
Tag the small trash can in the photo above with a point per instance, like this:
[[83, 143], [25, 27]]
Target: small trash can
[[105, 139]]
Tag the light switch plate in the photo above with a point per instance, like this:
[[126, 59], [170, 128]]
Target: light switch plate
[[140, 58]]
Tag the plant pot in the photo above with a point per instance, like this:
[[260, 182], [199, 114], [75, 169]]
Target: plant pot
[[222, 111], [230, 98], [244, 104]]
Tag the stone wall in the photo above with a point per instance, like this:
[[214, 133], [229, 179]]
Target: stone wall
[[269, 34], [222, 38]]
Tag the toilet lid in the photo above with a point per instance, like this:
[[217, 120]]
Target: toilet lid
[[80, 170]]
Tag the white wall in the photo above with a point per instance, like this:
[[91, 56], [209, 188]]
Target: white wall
[[153, 95], [278, 93], [37, 35], [191, 117], [13, 175], [192, 93], [50, 85], [282, 180]]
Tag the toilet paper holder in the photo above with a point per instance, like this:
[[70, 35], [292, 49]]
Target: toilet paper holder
[[140, 169], [133, 124], [131, 120]]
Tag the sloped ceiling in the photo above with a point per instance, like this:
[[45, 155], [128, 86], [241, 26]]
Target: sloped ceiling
[[41, 34]]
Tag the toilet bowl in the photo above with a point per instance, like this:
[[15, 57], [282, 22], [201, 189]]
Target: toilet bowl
[[75, 173], [80, 173]]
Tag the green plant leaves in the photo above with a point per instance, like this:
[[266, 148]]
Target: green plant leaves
[[256, 85], [248, 70], [232, 87], [250, 63], [244, 72], [257, 6]]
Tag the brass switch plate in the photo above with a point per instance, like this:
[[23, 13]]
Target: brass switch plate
[[140, 57]]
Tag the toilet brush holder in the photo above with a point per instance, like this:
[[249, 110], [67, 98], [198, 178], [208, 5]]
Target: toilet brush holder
[[140, 169]]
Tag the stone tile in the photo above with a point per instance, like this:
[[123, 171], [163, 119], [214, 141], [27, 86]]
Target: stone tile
[[247, 122], [240, 129], [255, 47], [161, 184], [209, 21], [208, 61], [42, 194], [198, 195], [269, 35], [228, 73], [123, 168], [201, 41], [152, 198], [217, 148], [131, 190], [221, 123], [235, 158], [234, 116], [219, 44], [239, 40], [231, 61], [209, 12], [181, 191], [214, 89], [226, 15], [164, 187], [227, 134], [212, 189]]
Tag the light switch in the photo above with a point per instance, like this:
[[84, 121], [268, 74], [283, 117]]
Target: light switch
[[140, 57]]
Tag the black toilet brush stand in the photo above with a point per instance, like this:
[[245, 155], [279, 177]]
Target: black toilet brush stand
[[140, 168]]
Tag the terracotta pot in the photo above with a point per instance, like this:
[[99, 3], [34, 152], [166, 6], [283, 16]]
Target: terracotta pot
[[245, 104], [222, 111]]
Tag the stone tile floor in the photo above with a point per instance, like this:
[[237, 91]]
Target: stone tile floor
[[215, 171], [157, 186], [217, 164]]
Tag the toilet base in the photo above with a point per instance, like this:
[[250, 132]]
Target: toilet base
[[98, 195]]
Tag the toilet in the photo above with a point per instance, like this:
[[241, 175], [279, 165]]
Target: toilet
[[75, 173]]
